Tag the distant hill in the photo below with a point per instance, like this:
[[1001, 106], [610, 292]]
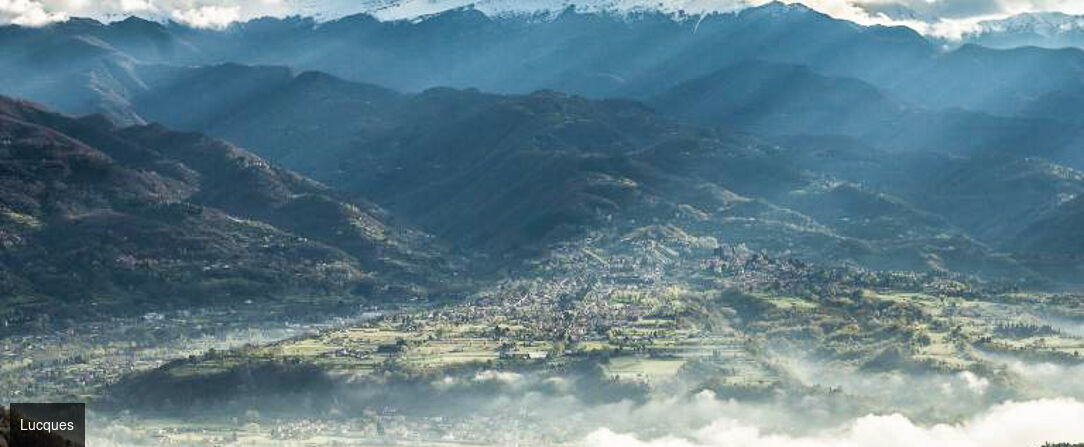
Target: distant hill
[[1055, 242], [295, 120], [964, 78], [957, 188], [1024, 189], [783, 99], [89, 211]]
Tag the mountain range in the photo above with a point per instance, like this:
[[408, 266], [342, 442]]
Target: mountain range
[[377, 150], [636, 55]]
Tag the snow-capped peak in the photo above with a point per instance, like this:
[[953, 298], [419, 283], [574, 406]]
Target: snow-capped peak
[[412, 9], [1040, 23]]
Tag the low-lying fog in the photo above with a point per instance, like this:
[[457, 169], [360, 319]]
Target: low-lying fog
[[1011, 424], [1018, 405]]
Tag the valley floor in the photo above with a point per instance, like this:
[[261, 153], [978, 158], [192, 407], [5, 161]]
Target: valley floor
[[601, 340]]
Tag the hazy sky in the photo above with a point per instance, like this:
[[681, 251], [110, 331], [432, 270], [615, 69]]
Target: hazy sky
[[931, 16]]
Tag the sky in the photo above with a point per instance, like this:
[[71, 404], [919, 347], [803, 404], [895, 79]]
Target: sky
[[944, 18]]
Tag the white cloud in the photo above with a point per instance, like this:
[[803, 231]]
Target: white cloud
[[136, 5], [490, 375], [28, 13], [210, 16], [1051, 378], [201, 13], [942, 18], [977, 384], [1012, 424], [938, 9], [1066, 6]]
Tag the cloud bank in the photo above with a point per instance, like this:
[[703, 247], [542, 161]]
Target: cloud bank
[[1012, 424], [201, 13], [943, 18]]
